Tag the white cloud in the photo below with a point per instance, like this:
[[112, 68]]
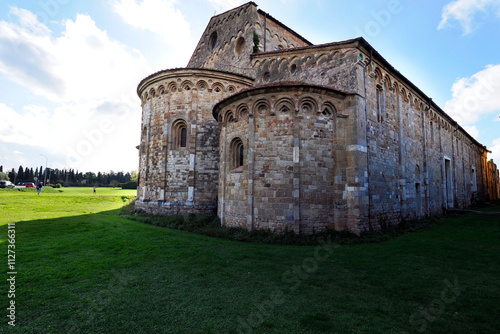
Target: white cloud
[[464, 11], [223, 5], [88, 78], [472, 130], [82, 63], [12, 126], [495, 149], [476, 96], [29, 22], [158, 16]]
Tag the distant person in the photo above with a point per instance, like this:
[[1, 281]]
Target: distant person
[[39, 187], [94, 190]]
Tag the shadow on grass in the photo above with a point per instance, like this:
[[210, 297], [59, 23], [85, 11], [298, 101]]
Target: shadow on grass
[[211, 226], [103, 273]]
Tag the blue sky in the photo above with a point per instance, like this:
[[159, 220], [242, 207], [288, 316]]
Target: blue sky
[[69, 69]]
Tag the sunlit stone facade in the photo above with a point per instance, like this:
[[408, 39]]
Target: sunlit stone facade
[[272, 132]]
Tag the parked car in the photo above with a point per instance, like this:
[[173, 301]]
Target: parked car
[[29, 185], [6, 184]]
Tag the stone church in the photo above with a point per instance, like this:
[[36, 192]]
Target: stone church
[[273, 132]]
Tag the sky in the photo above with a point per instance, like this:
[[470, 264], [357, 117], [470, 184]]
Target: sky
[[69, 69]]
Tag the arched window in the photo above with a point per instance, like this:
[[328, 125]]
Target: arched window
[[179, 138], [240, 45], [144, 134], [237, 153]]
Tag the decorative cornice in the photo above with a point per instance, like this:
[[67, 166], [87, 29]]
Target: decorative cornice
[[183, 72]]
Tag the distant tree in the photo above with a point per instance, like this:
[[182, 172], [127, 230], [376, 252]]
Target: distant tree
[[56, 176], [4, 176], [20, 174], [50, 174], [90, 178], [70, 176], [120, 177], [12, 176], [32, 175], [133, 175], [66, 178]]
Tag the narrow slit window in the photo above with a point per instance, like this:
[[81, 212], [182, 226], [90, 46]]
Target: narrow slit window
[[380, 104], [240, 158], [432, 134], [183, 133]]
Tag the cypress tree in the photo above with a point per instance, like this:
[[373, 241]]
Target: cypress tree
[[12, 176], [20, 174], [26, 174]]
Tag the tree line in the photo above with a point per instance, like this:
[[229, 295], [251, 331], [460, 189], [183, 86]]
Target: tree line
[[68, 177]]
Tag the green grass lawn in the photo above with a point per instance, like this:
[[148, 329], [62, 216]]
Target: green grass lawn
[[25, 204], [81, 268]]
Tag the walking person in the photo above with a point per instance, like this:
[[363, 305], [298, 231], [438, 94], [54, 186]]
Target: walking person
[[94, 190], [39, 187]]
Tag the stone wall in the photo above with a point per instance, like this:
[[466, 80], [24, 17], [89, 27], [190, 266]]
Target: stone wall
[[173, 179], [302, 168], [331, 66], [332, 135], [421, 162], [275, 36], [228, 40]]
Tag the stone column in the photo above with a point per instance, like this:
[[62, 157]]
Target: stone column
[[251, 171], [148, 116], [426, 158], [357, 179], [296, 173], [401, 165], [193, 134], [222, 172]]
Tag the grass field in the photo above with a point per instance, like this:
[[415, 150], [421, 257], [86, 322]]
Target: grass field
[[82, 268]]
